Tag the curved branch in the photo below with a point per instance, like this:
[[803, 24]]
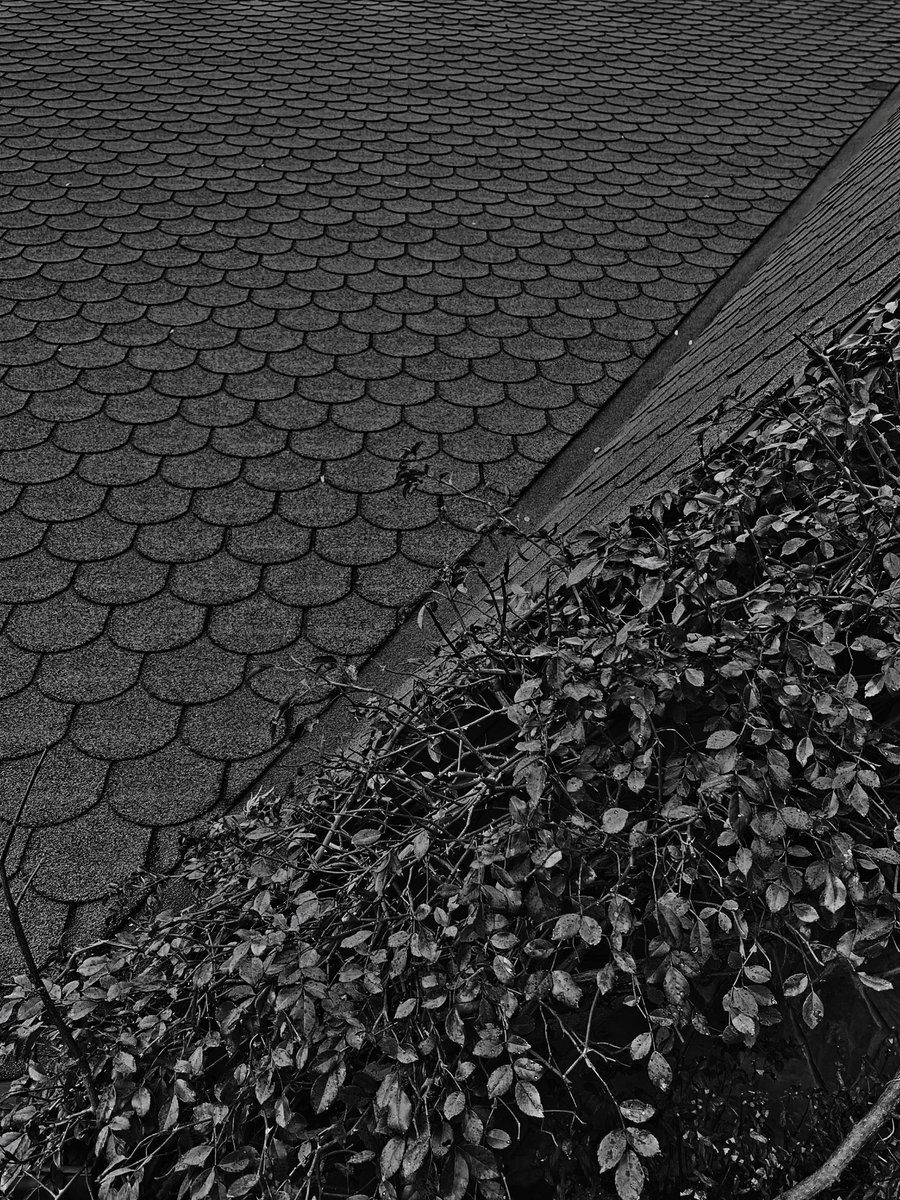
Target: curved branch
[[840, 1159]]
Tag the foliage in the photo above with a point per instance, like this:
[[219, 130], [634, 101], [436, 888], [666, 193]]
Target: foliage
[[649, 807]]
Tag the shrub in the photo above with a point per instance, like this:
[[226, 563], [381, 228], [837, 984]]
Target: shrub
[[633, 823]]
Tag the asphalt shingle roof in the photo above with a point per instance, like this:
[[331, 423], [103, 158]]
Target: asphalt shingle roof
[[252, 253]]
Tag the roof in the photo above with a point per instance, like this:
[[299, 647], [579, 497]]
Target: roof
[[254, 252]]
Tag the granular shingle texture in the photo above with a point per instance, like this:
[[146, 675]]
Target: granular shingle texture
[[842, 258], [252, 253]]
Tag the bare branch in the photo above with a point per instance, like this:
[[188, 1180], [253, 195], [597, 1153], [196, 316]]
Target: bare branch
[[840, 1159]]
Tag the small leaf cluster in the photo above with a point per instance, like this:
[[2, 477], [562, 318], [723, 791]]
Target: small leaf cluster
[[653, 804]]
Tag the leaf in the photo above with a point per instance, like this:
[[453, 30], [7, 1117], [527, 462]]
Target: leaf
[[81, 1008], [675, 986], [567, 926], [499, 1081], [834, 893], [405, 1007], [758, 974], [591, 931], [652, 592], [472, 1127], [804, 751], [366, 837], [805, 912], [414, 1156], [614, 820], [454, 1027], [629, 1176], [611, 1149], [203, 1185], [528, 1099], [399, 1112], [821, 658], [659, 1071], [796, 818], [392, 1156], [742, 1000], [641, 1046], [171, 1114], [454, 1104], [743, 860], [195, 1157], [883, 854], [582, 570], [140, 1101], [503, 968], [499, 1139], [636, 1110], [744, 1023], [605, 979], [643, 1142], [777, 896], [356, 939], [324, 1091], [242, 1185], [721, 739], [306, 906], [454, 1177], [535, 781], [813, 1010], [875, 982], [566, 989]]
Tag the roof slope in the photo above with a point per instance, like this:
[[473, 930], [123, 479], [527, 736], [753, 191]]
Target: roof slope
[[252, 253]]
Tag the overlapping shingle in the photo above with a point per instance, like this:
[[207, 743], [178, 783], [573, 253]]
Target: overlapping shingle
[[252, 255]]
